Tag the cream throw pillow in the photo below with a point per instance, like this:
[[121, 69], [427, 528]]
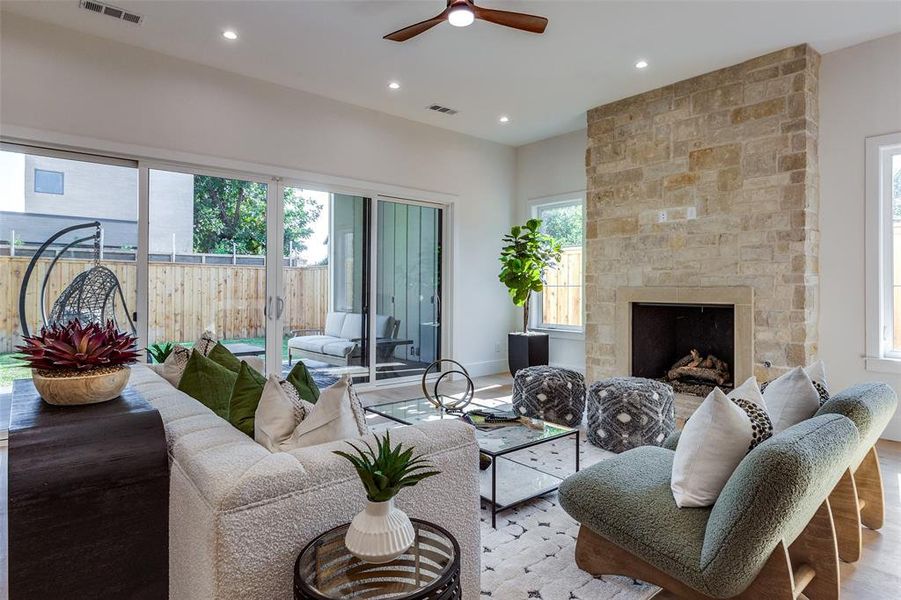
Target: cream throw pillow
[[278, 414], [714, 440], [174, 366], [790, 399], [337, 415]]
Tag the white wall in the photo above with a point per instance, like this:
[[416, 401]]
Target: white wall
[[860, 96], [70, 84], [549, 168]]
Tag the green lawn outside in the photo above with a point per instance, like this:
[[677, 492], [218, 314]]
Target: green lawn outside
[[11, 368]]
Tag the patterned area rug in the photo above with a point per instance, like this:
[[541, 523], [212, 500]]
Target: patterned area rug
[[531, 554]]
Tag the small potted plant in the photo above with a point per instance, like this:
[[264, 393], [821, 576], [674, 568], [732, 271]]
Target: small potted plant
[[160, 352], [526, 256], [79, 364], [382, 532]]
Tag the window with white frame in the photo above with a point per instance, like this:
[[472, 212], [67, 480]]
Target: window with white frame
[[883, 188], [560, 305]]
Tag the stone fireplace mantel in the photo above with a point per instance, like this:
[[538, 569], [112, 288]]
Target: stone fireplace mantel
[[740, 297]]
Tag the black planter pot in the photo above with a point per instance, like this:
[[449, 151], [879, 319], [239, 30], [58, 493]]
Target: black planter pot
[[526, 350]]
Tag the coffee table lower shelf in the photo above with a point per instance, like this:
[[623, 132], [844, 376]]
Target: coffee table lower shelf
[[517, 483]]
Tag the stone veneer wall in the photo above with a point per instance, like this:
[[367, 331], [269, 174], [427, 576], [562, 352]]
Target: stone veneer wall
[[731, 158]]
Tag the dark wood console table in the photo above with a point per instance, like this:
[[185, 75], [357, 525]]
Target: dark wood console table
[[88, 499]]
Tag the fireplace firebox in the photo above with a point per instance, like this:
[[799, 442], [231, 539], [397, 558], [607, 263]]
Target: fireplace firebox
[[700, 338]]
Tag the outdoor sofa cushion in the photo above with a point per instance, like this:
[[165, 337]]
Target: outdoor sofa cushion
[[717, 550], [334, 321]]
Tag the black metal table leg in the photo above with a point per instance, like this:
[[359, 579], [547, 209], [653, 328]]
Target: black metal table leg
[[577, 451], [494, 492]]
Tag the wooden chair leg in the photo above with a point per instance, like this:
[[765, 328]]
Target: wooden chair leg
[[868, 479], [846, 516], [808, 566], [814, 558]]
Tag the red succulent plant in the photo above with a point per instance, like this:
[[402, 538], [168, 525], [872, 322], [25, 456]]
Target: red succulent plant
[[79, 347]]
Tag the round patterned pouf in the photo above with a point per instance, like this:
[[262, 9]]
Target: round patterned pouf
[[627, 412], [550, 394]]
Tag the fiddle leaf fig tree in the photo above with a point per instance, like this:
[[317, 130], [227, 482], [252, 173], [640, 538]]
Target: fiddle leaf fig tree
[[526, 255]]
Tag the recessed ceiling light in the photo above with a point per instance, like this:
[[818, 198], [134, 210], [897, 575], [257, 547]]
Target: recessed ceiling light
[[229, 34], [394, 85], [642, 64], [461, 16], [503, 119]]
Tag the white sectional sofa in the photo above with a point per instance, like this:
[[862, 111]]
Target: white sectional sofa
[[239, 515]]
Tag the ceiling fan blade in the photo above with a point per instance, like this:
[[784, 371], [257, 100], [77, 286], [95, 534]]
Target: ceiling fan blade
[[402, 35], [515, 20]]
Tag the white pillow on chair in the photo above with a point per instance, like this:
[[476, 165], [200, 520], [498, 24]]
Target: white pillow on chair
[[714, 441], [790, 399]]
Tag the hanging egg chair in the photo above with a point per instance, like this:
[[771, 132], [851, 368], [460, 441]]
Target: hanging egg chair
[[92, 295]]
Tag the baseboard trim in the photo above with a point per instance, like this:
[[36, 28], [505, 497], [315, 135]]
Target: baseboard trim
[[487, 367]]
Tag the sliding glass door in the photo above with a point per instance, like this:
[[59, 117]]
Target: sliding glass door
[[324, 283], [207, 260], [344, 254], [68, 238], [408, 288]]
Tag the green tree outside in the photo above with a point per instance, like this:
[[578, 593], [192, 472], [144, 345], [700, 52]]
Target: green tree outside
[[230, 214], [564, 224]]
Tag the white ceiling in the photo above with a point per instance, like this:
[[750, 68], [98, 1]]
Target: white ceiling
[[543, 82]]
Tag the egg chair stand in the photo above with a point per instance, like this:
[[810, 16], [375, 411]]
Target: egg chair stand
[[90, 297]]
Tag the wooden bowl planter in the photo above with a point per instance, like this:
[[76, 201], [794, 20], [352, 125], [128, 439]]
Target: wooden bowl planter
[[70, 388]]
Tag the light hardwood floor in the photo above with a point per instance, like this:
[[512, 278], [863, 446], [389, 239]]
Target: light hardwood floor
[[876, 576]]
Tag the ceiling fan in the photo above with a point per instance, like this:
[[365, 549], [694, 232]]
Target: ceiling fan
[[461, 13]]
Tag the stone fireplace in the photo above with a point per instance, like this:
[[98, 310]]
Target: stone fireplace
[[660, 325], [704, 193]]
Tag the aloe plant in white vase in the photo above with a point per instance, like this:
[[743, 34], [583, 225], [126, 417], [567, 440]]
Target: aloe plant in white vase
[[382, 532]]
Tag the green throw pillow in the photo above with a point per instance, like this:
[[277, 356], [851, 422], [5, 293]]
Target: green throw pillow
[[245, 397], [208, 382], [223, 356], [303, 382]]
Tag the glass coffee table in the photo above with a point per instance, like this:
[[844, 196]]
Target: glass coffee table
[[509, 483]]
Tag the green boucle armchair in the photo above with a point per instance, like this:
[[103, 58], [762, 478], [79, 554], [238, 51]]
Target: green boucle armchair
[[858, 498], [768, 536]]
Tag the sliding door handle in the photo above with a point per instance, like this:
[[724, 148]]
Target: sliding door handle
[[279, 307], [267, 308]]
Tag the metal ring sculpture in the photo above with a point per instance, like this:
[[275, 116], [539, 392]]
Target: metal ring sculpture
[[448, 403]]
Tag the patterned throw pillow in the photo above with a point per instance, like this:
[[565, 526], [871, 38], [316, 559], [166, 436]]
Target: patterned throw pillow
[[206, 342], [715, 440]]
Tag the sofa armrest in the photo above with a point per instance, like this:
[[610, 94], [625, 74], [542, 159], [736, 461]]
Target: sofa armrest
[[245, 545]]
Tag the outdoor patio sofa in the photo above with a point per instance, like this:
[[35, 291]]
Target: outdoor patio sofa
[[339, 342]]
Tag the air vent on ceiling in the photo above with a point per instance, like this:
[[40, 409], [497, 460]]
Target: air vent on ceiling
[[442, 109], [109, 10]]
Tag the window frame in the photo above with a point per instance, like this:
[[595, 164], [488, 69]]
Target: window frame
[[881, 356], [536, 206], [62, 180]]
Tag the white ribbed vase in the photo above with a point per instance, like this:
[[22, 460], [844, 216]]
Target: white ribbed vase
[[380, 533]]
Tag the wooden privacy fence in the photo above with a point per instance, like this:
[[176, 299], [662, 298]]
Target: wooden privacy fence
[[562, 298], [184, 299]]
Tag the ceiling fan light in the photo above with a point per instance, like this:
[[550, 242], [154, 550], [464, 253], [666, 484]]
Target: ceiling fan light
[[460, 17]]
